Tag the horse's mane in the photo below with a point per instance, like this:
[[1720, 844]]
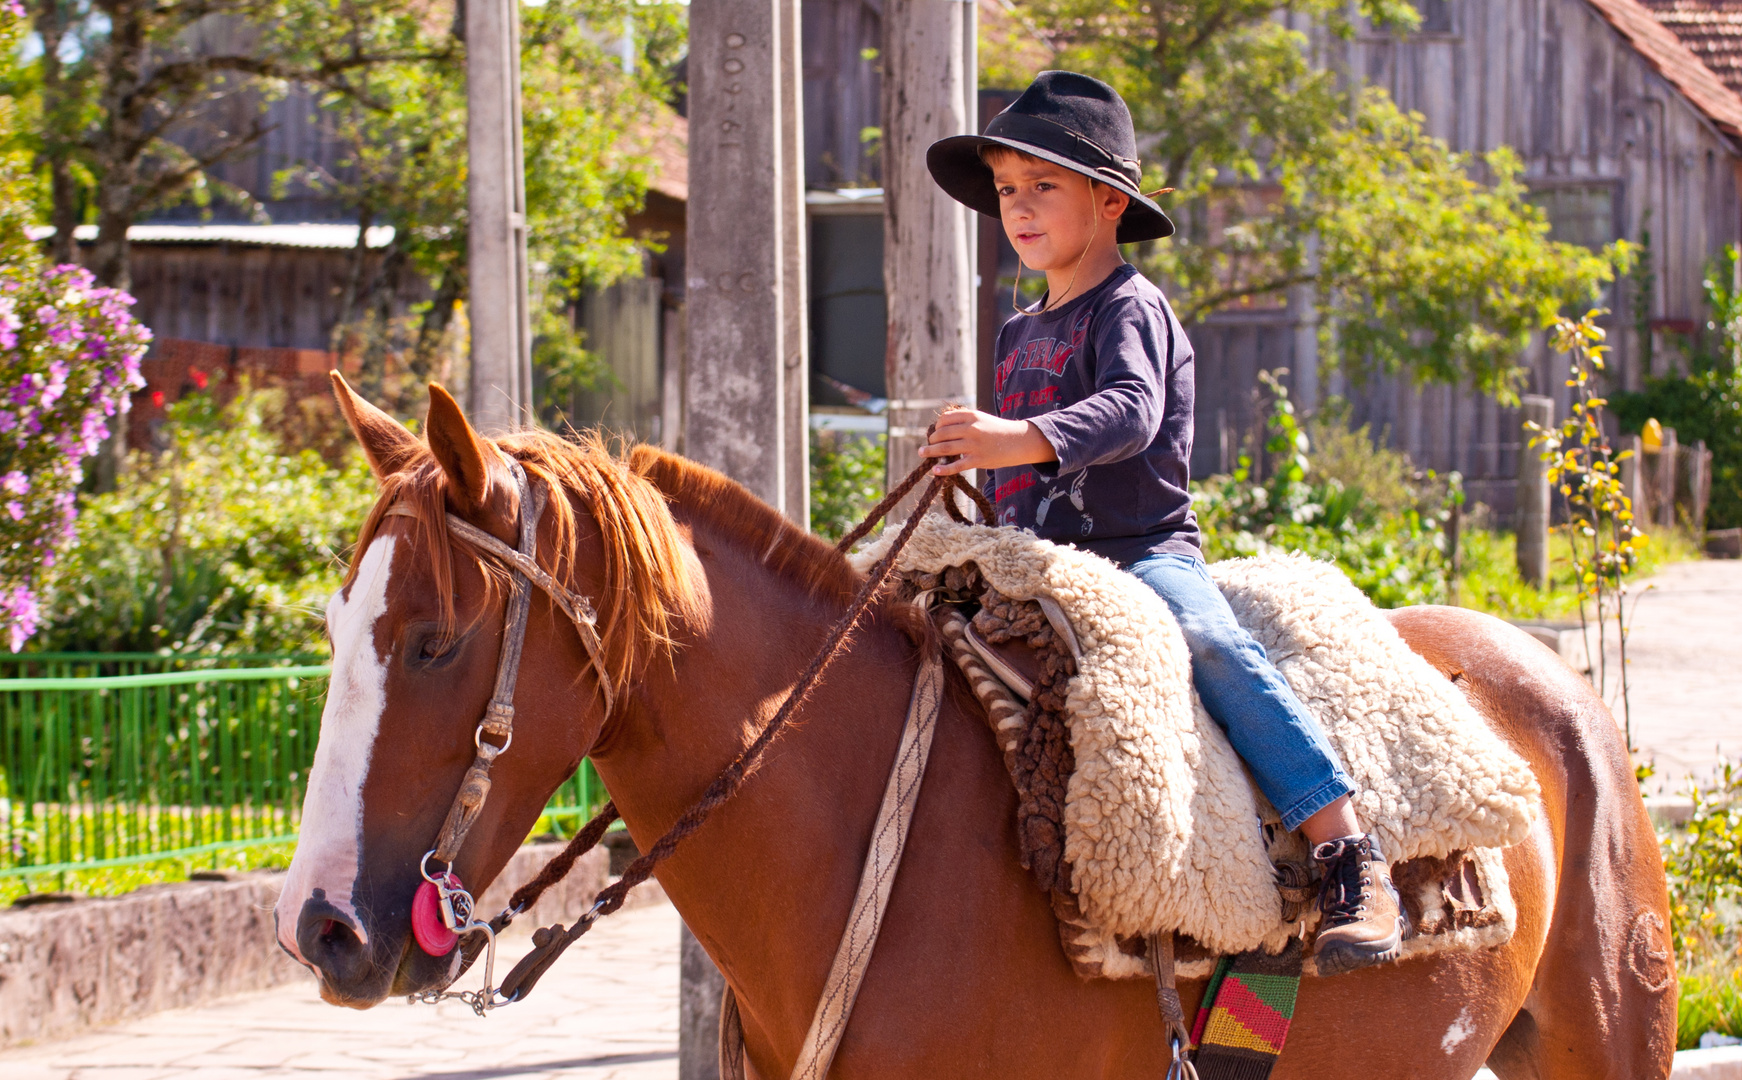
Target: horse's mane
[[726, 505], [648, 585]]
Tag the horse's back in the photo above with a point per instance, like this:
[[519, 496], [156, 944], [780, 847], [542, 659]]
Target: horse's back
[[1602, 1001]]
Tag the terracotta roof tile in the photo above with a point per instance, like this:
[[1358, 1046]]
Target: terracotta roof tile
[[667, 141], [1712, 31], [1664, 51]]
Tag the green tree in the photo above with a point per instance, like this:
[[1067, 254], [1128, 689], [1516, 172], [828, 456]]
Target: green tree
[[1285, 175], [137, 99], [587, 125]]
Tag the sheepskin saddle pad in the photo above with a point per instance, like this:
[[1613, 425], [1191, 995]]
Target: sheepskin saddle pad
[[1134, 810]]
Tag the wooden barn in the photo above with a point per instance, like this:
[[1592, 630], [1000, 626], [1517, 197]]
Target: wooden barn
[[1622, 129]]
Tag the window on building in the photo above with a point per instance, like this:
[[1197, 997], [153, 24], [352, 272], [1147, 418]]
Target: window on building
[[1582, 214], [849, 316], [1436, 16]]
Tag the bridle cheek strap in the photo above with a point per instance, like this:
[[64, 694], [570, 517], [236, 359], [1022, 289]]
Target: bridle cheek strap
[[498, 721]]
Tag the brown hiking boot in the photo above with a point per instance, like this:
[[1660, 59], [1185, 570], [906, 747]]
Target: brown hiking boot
[[1362, 922]]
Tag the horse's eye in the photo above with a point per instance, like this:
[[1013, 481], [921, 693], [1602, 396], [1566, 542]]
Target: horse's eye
[[425, 645]]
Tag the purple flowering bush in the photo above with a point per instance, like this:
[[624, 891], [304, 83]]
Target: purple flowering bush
[[69, 358]]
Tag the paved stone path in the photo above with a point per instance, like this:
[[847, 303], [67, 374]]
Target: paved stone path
[[1685, 667], [606, 1011]]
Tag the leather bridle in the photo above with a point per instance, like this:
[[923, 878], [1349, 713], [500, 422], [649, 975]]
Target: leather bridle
[[454, 904]]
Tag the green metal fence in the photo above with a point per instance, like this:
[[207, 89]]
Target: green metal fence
[[109, 770], [76, 665]]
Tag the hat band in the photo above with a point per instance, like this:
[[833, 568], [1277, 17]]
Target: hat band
[[1047, 135]]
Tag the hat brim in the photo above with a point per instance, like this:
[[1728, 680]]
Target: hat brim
[[956, 166]]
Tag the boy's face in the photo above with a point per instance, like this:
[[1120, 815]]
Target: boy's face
[[1051, 213]]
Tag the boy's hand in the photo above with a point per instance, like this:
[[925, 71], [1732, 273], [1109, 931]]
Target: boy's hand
[[984, 442]]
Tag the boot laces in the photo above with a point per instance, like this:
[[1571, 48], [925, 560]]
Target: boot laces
[[1342, 898]]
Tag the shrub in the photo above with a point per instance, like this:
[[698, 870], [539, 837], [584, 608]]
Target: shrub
[[1705, 405], [1703, 862], [847, 476], [1367, 512], [224, 542], [69, 357]]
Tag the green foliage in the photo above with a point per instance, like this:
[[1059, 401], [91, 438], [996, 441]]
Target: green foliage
[[1602, 540], [119, 880], [1723, 287], [1703, 862], [1386, 532], [847, 477], [588, 128], [1706, 405], [559, 353], [1423, 259], [1488, 578], [225, 542]]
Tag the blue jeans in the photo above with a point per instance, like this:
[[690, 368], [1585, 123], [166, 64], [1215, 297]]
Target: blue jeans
[[1271, 730]]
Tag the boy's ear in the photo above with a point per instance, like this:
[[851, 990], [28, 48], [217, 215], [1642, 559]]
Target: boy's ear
[[1114, 202]]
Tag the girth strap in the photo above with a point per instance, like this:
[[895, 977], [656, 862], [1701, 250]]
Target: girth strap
[[876, 881]]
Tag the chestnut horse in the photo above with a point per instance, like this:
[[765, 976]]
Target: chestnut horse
[[710, 605]]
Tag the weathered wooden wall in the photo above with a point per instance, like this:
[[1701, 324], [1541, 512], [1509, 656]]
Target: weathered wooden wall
[[842, 89], [623, 325], [1610, 148], [235, 294]]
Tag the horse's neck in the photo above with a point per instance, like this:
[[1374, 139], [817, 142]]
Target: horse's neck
[[765, 885]]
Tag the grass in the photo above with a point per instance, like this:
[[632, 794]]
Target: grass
[[1490, 581], [1711, 1000], [116, 880]]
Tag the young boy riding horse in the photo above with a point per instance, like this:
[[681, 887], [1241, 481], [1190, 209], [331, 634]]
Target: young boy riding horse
[[1092, 442]]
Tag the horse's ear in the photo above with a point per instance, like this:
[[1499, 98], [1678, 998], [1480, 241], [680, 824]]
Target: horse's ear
[[459, 449], [387, 445]]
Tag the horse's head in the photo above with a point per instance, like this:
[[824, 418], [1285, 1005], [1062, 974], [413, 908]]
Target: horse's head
[[417, 631]]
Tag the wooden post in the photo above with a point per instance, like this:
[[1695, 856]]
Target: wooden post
[[1699, 487], [735, 380], [745, 382], [929, 239], [500, 397], [1533, 494], [1665, 480], [698, 1011], [795, 270]]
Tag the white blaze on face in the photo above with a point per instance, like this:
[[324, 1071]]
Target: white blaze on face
[[329, 847]]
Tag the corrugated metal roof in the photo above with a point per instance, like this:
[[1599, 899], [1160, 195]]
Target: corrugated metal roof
[[303, 235], [1712, 31], [1675, 62]]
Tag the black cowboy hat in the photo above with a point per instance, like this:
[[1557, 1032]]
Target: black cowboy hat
[[1069, 120]]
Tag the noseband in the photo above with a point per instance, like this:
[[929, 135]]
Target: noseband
[[443, 911]]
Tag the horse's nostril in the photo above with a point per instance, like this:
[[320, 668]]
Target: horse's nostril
[[329, 941]]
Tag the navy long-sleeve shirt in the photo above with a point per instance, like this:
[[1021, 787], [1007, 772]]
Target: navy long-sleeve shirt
[[1108, 379]]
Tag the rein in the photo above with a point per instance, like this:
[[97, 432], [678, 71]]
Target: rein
[[443, 897]]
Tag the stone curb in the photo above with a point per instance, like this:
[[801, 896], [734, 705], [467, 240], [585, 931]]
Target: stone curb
[[66, 968]]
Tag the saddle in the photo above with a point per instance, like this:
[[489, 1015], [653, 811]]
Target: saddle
[[1133, 812]]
